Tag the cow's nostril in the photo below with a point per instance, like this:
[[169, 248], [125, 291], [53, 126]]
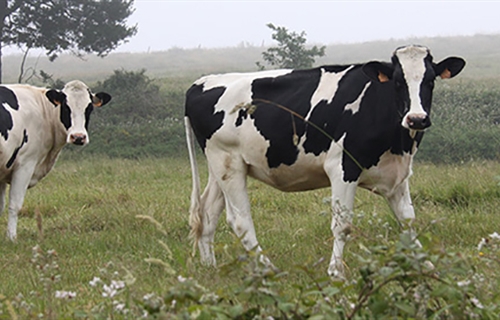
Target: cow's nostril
[[418, 122], [78, 139]]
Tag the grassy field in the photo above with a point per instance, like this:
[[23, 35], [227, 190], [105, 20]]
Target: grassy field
[[92, 215]]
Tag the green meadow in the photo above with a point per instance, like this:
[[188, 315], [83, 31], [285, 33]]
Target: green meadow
[[128, 219]]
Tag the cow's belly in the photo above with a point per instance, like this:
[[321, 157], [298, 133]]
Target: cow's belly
[[307, 173]]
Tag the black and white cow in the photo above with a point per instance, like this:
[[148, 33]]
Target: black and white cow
[[343, 126], [35, 124]]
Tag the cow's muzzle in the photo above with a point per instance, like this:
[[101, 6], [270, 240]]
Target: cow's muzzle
[[78, 139], [418, 121]]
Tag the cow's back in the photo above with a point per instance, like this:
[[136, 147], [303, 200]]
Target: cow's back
[[25, 127]]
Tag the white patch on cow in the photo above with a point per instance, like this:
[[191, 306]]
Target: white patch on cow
[[8, 107], [11, 110], [354, 107], [413, 65], [327, 87], [227, 80], [239, 87]]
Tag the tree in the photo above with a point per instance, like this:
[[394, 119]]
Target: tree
[[79, 26], [135, 97], [291, 51]]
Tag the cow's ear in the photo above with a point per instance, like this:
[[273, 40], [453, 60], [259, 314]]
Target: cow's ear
[[100, 99], [378, 71], [449, 67], [55, 96]]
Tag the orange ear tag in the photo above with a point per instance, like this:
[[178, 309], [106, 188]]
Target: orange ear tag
[[382, 77], [446, 74]]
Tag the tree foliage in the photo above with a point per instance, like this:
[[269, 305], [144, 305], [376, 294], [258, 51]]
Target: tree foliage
[[135, 97], [291, 51], [79, 26]]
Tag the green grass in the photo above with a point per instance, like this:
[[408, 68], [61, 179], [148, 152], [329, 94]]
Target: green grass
[[90, 206]]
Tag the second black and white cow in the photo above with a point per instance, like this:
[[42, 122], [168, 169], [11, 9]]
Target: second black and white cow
[[35, 124], [342, 126]]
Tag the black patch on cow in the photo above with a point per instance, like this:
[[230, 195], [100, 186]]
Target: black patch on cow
[[88, 112], [16, 151], [331, 118], [282, 103], [374, 129], [242, 115], [8, 97], [65, 115], [200, 109]]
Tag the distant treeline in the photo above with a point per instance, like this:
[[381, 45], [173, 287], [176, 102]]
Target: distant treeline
[[482, 53]]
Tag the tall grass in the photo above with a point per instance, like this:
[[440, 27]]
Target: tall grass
[[90, 208]]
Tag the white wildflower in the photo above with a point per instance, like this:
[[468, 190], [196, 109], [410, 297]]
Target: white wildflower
[[109, 291], [94, 281], [112, 290], [481, 244], [476, 303], [119, 306], [181, 279], [495, 235], [117, 284], [65, 295], [148, 296], [463, 283]]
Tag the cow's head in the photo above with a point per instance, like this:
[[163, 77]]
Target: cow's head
[[76, 103], [412, 74]]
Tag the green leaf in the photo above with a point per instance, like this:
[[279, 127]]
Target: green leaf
[[405, 307]]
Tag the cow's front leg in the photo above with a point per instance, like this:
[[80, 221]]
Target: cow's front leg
[[400, 203], [342, 206], [18, 187]]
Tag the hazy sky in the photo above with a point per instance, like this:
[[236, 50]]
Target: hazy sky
[[164, 24]]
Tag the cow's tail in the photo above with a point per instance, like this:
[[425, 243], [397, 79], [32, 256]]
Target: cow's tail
[[195, 214]]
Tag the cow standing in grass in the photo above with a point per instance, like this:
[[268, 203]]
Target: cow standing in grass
[[342, 126], [35, 124]]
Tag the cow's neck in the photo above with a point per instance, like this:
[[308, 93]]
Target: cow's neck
[[406, 141]]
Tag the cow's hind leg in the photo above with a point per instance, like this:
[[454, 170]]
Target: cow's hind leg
[[3, 189], [212, 204], [18, 187], [231, 175]]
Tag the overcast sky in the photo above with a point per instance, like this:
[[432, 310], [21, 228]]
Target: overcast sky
[[165, 24]]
